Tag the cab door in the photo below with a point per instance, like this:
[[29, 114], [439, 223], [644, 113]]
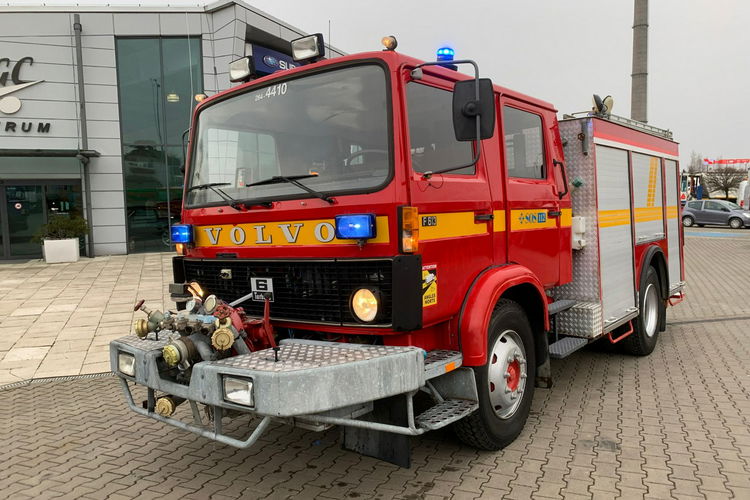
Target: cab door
[[533, 210], [456, 220]]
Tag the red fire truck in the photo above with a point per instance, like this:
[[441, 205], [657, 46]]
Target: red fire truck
[[391, 246]]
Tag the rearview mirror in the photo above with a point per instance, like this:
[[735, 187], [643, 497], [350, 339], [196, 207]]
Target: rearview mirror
[[466, 108]]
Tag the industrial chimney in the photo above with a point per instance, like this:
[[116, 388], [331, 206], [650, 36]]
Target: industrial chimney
[[639, 90]]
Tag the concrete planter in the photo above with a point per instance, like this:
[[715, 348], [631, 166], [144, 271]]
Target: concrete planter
[[56, 251]]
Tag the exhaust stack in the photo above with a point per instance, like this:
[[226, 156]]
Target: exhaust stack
[[639, 89]]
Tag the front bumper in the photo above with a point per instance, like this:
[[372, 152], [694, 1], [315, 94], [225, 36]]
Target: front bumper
[[314, 383]]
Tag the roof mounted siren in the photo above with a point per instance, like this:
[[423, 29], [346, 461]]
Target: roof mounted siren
[[602, 106]]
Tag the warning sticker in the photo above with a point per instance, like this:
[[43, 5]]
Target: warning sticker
[[429, 285]]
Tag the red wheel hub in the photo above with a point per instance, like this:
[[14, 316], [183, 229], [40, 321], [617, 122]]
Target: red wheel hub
[[514, 372]]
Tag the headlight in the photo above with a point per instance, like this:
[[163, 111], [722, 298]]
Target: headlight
[[365, 303], [126, 363], [238, 391]]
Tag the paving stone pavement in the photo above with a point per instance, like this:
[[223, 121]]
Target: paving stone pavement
[[675, 424], [58, 319]]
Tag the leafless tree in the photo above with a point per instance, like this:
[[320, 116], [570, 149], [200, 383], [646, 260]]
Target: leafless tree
[[724, 179]]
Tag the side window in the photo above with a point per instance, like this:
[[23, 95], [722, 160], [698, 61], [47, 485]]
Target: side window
[[694, 205], [433, 141], [524, 144], [713, 205]]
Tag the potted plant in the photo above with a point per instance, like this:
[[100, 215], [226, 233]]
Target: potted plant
[[60, 238]]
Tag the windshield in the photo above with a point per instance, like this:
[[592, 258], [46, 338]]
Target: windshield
[[733, 206], [332, 125]]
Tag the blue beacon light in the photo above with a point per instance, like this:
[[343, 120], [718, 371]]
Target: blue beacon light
[[182, 233], [445, 54], [355, 226]]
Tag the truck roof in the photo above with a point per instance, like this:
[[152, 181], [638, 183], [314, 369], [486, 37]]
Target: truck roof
[[394, 60]]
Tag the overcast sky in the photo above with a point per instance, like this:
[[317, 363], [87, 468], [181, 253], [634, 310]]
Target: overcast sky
[[565, 50]]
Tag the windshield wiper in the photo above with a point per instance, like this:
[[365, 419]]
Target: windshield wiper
[[214, 186], [294, 179]]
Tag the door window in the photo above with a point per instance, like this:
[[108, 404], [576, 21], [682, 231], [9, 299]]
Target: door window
[[715, 205], [433, 141], [524, 145]]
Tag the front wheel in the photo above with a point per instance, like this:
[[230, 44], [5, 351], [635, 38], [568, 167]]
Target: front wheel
[[646, 328], [735, 223], [505, 384]]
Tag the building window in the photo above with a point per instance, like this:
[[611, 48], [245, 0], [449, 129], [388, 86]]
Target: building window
[[157, 81], [524, 146], [433, 141]]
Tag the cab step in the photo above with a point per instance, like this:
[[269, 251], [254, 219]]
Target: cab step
[[566, 346], [445, 413], [559, 306], [441, 362]]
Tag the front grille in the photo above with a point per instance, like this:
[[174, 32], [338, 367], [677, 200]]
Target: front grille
[[314, 291]]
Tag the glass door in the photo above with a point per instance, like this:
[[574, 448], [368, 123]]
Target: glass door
[[26, 213]]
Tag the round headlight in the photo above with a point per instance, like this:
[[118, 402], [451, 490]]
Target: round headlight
[[365, 304]]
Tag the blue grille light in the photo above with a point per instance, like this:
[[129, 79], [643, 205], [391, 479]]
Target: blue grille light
[[445, 54], [355, 226], [182, 233]]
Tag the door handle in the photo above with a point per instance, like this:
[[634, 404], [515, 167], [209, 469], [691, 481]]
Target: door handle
[[483, 217], [554, 213]]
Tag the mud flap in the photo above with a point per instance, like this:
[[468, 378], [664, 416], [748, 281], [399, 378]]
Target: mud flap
[[386, 446]]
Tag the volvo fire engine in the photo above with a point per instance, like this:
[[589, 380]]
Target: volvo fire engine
[[390, 246]]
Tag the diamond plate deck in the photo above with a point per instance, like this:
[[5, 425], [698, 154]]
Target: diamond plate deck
[[566, 346], [299, 356], [445, 413]]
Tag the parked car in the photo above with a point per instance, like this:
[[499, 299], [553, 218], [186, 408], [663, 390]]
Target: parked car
[[715, 212]]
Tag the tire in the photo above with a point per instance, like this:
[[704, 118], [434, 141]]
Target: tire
[[735, 223], [645, 334], [500, 417], [688, 221]]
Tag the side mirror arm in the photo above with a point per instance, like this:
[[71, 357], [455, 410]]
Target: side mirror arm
[[416, 73]]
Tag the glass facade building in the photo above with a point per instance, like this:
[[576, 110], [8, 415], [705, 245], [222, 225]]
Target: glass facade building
[[157, 81], [95, 101]]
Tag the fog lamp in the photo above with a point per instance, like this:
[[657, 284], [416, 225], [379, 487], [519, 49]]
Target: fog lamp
[[241, 70], [182, 233], [238, 391], [355, 226], [126, 363], [308, 47], [365, 304]]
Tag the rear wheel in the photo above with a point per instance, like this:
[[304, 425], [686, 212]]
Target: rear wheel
[[646, 328], [505, 384], [688, 221], [735, 223]]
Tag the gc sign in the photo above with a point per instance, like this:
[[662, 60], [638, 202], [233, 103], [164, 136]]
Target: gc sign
[[11, 104]]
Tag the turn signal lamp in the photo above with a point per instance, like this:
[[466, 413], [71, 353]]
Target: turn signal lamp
[[355, 227], [180, 248], [389, 42], [182, 233], [308, 47], [409, 217]]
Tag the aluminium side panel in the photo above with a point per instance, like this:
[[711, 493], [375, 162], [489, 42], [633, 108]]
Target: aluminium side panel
[[674, 256], [647, 198], [615, 234], [584, 319]]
